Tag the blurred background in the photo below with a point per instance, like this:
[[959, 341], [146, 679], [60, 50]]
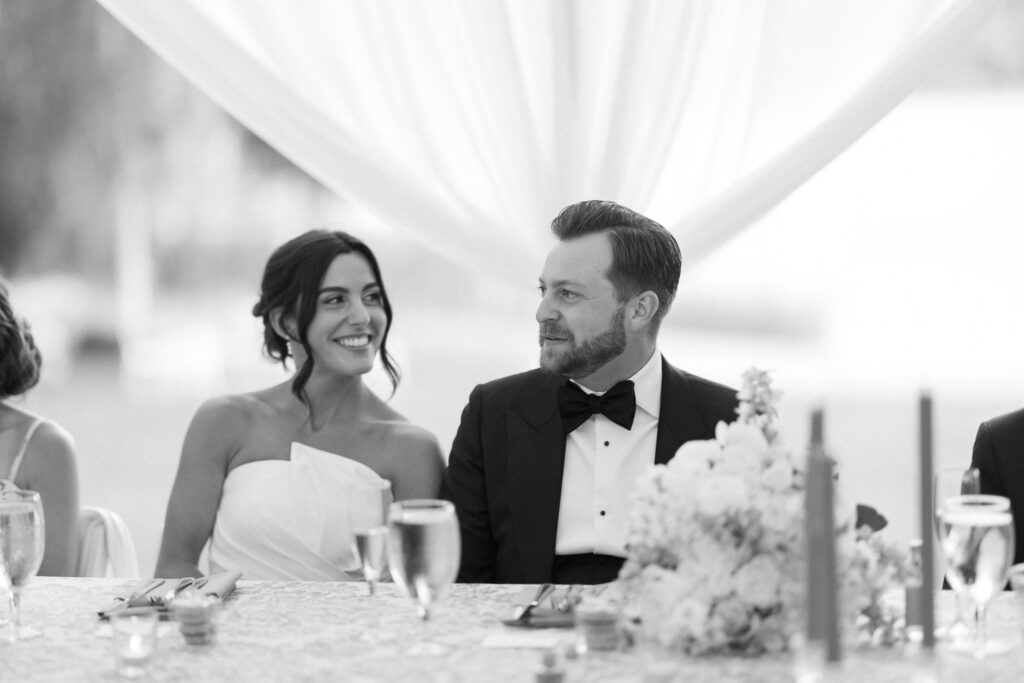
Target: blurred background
[[136, 217]]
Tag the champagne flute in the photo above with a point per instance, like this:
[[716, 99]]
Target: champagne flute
[[950, 482], [22, 541], [368, 516], [979, 544], [424, 549]]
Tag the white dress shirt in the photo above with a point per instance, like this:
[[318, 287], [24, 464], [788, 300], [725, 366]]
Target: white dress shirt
[[602, 462]]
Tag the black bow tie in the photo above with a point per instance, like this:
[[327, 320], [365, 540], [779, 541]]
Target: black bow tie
[[618, 404]]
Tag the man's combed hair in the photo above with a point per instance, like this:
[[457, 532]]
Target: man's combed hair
[[20, 360], [645, 256]]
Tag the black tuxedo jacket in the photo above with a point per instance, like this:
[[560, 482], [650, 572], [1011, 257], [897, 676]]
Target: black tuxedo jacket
[[999, 455], [504, 473]]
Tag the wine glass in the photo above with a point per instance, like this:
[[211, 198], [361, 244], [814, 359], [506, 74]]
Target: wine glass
[[368, 515], [424, 549], [950, 482], [979, 544], [22, 541]]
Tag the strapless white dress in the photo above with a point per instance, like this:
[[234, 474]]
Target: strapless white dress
[[288, 519]]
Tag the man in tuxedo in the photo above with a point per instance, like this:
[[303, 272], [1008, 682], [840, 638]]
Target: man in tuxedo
[[543, 463], [999, 456]]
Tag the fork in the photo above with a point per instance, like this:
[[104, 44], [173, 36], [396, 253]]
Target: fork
[[570, 598], [140, 597], [166, 598]]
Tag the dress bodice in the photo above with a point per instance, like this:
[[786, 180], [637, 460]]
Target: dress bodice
[[288, 519]]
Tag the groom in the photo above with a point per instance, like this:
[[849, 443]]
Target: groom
[[543, 462]]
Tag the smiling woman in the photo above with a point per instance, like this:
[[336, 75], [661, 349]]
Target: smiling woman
[[266, 476]]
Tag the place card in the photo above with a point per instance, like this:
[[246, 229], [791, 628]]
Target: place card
[[526, 639]]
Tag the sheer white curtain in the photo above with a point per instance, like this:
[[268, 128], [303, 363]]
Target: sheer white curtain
[[467, 124]]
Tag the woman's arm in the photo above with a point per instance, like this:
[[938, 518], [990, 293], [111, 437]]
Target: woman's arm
[[49, 469], [211, 441], [418, 468]]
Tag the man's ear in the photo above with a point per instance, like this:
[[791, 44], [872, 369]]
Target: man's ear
[[644, 306]]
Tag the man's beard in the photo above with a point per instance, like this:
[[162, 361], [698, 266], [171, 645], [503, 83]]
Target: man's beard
[[586, 358]]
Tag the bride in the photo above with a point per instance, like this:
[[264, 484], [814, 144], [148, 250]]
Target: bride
[[265, 476]]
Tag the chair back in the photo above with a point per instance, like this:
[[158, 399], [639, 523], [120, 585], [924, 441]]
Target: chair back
[[105, 546]]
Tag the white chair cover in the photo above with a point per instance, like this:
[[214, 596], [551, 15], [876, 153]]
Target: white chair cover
[[105, 546]]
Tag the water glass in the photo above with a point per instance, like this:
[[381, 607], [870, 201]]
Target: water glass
[[22, 543], [978, 542], [369, 503], [134, 640], [424, 548], [950, 482]]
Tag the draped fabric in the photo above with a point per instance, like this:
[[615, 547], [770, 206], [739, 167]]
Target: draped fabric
[[467, 124]]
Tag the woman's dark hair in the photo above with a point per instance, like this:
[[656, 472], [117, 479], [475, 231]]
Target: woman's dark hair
[[291, 283], [20, 360]]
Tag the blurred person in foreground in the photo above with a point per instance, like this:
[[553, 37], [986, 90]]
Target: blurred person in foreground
[[35, 453], [264, 476], [543, 464], [999, 457]]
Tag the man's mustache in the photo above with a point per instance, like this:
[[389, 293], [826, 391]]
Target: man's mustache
[[554, 331]]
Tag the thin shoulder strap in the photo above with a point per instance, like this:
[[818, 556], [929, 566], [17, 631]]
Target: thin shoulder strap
[[24, 447]]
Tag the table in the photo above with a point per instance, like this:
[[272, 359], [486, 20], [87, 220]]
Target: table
[[305, 631]]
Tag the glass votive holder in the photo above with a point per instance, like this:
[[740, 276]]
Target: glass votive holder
[[133, 636], [1015, 576], [196, 615], [596, 625]]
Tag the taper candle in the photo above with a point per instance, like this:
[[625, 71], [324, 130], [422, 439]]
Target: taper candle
[[927, 534]]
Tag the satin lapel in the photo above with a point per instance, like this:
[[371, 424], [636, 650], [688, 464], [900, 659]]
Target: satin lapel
[[679, 419], [536, 455]]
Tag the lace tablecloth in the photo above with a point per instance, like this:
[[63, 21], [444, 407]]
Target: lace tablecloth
[[292, 631]]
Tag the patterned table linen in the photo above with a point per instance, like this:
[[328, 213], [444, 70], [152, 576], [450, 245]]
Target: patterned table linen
[[304, 631]]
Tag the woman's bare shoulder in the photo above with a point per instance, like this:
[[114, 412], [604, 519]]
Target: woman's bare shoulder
[[235, 410], [412, 439], [52, 438]]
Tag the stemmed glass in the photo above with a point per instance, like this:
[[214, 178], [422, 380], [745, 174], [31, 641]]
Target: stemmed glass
[[950, 482], [424, 549], [22, 541], [368, 515], [979, 544]]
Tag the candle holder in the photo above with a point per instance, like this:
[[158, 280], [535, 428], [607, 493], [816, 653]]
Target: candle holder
[[196, 616], [134, 640], [596, 626]]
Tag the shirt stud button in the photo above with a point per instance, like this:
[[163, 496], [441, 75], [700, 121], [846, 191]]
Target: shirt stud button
[[605, 443]]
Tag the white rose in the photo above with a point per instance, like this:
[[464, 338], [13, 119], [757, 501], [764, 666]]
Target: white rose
[[778, 476], [759, 581], [731, 617], [722, 494], [743, 433], [741, 459], [695, 457]]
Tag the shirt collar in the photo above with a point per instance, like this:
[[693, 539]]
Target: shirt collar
[[646, 386]]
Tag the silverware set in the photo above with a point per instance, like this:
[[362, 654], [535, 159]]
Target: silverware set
[[145, 594]]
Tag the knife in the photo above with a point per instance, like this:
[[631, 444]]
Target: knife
[[141, 589], [543, 591]]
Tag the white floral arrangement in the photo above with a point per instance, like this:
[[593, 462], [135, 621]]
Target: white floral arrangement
[[715, 550]]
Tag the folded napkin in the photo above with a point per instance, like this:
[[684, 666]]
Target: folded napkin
[[553, 612], [218, 585], [543, 617], [556, 611]]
